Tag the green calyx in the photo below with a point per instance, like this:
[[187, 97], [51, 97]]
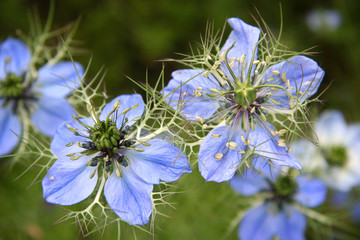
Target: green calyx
[[336, 156], [285, 187], [245, 94], [11, 87]]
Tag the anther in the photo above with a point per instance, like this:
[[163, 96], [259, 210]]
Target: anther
[[287, 83], [231, 145], [281, 142], [216, 65], [283, 76], [219, 156], [200, 119], [75, 157], [242, 58], [197, 93]]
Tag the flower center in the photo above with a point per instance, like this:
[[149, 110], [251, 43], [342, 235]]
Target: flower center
[[245, 94], [12, 87], [336, 156], [285, 188], [105, 137]]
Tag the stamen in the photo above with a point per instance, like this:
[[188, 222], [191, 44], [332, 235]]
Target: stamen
[[200, 119], [281, 142], [231, 145], [219, 156], [242, 58], [197, 93]]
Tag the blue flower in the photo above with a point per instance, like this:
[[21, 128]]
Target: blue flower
[[348, 201], [325, 20], [107, 146], [246, 93], [337, 158], [279, 214], [42, 97]]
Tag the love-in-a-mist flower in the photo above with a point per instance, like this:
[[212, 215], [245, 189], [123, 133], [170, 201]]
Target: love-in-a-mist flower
[[279, 214], [245, 92], [348, 201], [105, 147], [323, 20], [24, 92], [337, 158]]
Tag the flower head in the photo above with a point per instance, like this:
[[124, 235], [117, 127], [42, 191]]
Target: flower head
[[337, 158], [279, 214], [106, 146], [25, 91], [326, 20], [245, 95]]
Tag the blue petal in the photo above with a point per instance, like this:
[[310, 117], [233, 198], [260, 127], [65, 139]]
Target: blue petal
[[50, 114], [355, 213], [266, 146], [245, 38], [339, 199], [250, 182], [220, 170], [267, 221], [9, 127], [331, 128], [18, 54], [353, 135], [259, 223], [292, 224], [159, 161], [126, 101], [68, 182], [61, 142], [304, 75], [311, 192], [181, 90], [60, 79], [129, 196]]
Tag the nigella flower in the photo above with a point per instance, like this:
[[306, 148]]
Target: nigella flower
[[244, 94], [279, 215], [22, 94], [323, 20], [105, 145], [348, 201], [337, 158]]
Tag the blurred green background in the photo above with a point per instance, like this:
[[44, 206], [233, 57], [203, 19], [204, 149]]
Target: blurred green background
[[127, 37]]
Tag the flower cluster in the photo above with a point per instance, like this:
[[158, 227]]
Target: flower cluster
[[244, 97]]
